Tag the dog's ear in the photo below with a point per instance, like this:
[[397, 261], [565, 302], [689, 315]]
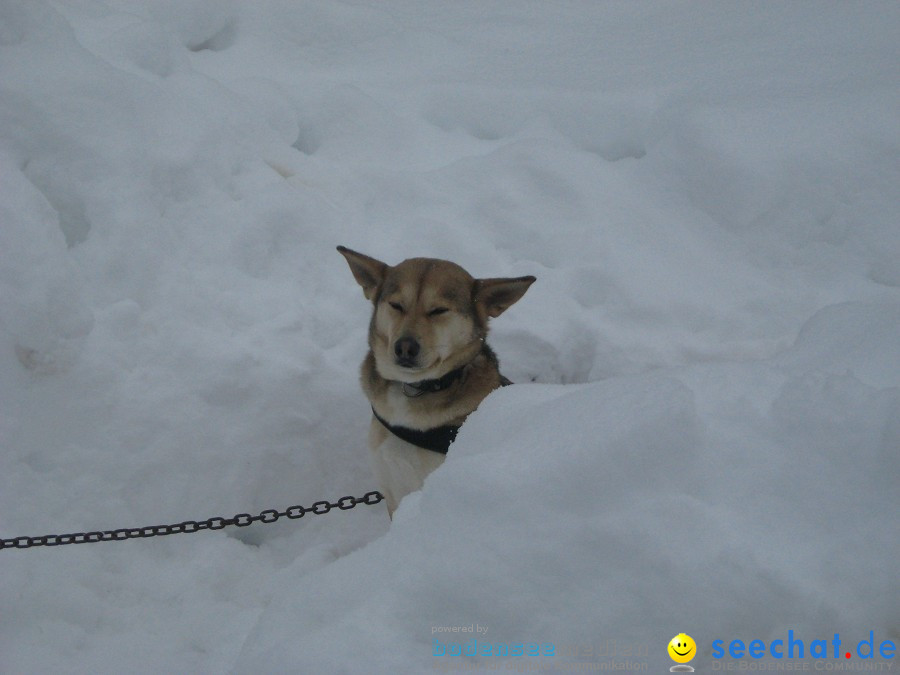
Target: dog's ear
[[497, 295], [368, 272]]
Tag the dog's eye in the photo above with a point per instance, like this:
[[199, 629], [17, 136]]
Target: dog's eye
[[397, 306], [437, 311]]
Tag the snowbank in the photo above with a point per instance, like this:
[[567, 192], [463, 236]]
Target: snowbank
[[706, 435], [727, 501]]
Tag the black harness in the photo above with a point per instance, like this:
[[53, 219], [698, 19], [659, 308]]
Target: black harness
[[437, 439]]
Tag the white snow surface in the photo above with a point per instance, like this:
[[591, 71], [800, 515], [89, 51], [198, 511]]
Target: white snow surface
[[705, 433]]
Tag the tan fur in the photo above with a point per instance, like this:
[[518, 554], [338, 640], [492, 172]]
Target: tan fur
[[439, 309]]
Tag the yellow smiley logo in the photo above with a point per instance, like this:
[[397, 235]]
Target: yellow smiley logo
[[682, 648]]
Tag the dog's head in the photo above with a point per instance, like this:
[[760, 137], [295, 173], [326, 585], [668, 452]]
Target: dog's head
[[430, 316]]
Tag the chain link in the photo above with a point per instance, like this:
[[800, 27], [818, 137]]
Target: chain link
[[190, 526]]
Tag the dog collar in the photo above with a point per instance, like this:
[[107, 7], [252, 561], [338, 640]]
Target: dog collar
[[414, 389], [436, 440]]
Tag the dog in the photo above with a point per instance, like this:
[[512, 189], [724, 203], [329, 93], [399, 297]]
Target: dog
[[428, 365]]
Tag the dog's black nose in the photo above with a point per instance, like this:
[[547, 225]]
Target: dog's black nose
[[406, 349]]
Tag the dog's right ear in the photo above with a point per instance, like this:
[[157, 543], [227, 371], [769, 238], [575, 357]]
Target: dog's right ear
[[368, 272]]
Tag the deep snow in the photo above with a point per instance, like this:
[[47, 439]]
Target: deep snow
[[705, 435]]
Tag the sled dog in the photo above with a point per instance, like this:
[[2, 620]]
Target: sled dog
[[428, 364]]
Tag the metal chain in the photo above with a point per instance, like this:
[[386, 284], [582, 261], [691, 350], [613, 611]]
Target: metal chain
[[191, 526]]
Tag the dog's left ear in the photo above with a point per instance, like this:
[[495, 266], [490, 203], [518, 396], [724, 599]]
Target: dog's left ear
[[368, 272], [497, 295]]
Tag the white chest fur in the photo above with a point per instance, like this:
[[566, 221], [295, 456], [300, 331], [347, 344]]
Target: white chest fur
[[400, 467]]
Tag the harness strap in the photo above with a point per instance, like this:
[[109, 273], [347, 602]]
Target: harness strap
[[437, 439]]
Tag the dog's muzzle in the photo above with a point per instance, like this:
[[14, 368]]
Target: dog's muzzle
[[406, 351]]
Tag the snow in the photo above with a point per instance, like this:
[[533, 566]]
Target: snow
[[705, 433]]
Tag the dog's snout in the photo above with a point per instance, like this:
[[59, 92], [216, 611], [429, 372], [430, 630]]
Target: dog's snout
[[406, 349]]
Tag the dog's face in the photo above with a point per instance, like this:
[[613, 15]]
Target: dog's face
[[430, 316]]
